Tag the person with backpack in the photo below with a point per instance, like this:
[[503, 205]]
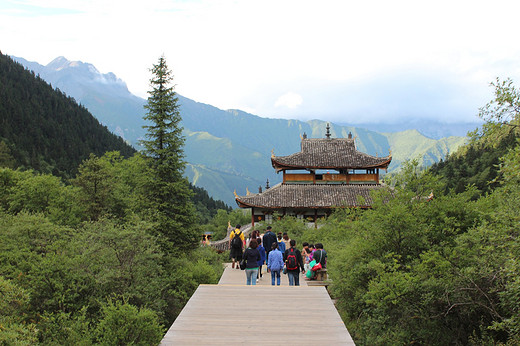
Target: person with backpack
[[236, 243], [293, 264], [275, 263]]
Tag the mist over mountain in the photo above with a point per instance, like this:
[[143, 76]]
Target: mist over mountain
[[230, 150], [431, 128]]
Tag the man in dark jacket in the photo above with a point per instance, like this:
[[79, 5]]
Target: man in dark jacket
[[293, 263], [268, 239]]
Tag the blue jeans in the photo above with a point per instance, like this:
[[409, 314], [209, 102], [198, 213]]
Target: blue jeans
[[275, 273], [251, 276], [294, 277]]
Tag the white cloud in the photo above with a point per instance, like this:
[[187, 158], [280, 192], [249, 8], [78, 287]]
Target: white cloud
[[245, 54], [289, 100]]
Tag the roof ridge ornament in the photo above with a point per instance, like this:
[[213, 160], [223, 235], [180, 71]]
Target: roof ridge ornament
[[328, 131], [272, 152]]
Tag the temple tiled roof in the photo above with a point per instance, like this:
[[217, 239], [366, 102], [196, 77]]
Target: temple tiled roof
[[329, 153], [309, 196]]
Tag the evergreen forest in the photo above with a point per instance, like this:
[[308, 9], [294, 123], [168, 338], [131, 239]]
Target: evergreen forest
[[102, 247], [45, 129]]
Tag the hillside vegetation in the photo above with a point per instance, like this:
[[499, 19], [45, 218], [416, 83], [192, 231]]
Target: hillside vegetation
[[96, 258], [46, 130], [441, 271]]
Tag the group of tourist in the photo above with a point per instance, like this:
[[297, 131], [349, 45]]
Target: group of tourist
[[278, 252]]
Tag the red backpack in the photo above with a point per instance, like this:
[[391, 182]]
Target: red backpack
[[292, 262]]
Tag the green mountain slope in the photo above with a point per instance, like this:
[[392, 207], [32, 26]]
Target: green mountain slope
[[45, 129], [228, 149], [48, 131], [411, 144], [220, 183]]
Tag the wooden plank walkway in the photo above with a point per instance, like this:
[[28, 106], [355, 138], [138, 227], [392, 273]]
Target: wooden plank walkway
[[232, 313]]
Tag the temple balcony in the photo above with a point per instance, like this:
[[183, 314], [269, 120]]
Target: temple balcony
[[328, 178]]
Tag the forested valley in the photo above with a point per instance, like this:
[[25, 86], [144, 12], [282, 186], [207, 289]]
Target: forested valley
[[90, 253]]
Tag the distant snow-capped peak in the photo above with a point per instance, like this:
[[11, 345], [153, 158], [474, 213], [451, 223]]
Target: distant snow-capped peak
[[88, 70]]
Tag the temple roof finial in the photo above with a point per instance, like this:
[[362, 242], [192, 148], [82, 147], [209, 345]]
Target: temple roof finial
[[328, 131], [267, 185], [304, 135]]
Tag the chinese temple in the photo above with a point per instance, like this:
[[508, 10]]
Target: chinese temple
[[327, 173]]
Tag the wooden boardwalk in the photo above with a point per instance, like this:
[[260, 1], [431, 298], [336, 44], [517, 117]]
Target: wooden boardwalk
[[232, 313]]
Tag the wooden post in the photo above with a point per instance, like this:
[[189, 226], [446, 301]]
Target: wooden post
[[252, 217], [315, 218]]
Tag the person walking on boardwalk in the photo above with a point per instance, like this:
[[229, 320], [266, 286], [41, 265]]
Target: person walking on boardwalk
[[254, 235], [275, 264], [293, 263], [268, 239], [305, 255], [251, 257], [286, 240], [281, 244], [236, 244], [261, 250]]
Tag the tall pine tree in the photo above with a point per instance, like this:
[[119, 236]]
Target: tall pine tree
[[168, 191]]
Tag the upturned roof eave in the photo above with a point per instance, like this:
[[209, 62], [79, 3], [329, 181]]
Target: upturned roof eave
[[252, 201], [278, 166], [242, 204]]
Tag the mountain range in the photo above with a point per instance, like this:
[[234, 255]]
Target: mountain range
[[229, 150]]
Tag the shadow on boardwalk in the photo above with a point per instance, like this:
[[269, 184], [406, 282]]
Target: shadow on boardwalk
[[232, 313]]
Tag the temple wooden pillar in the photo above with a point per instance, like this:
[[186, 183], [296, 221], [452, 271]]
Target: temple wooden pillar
[[252, 218]]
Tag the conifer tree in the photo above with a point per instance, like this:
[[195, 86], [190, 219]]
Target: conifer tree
[[168, 190]]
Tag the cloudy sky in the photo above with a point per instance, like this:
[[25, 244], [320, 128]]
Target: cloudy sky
[[342, 61]]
